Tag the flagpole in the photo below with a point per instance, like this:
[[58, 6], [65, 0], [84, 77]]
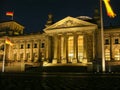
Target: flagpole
[[102, 37], [12, 18], [12, 15], [3, 66]]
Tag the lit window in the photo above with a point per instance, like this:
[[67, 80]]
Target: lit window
[[15, 56], [107, 55], [70, 48], [117, 54], [28, 55], [34, 55], [21, 56], [80, 48]]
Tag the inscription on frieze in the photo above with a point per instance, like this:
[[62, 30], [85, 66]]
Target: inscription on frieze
[[68, 23]]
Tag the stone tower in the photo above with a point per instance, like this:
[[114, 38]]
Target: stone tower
[[96, 17], [50, 20]]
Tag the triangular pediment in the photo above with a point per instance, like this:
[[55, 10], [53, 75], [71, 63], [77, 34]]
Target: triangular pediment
[[69, 22]]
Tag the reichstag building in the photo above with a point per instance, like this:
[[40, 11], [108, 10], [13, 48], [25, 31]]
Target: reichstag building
[[70, 41]]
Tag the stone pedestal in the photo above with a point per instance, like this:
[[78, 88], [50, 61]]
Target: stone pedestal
[[74, 60], [45, 63], [54, 61], [63, 61], [15, 67], [84, 61], [89, 66]]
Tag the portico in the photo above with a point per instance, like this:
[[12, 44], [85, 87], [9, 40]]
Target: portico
[[72, 41]]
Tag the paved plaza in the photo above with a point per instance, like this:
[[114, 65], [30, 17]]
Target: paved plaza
[[59, 81]]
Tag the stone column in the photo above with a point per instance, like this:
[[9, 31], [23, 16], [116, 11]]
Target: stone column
[[55, 49], [85, 49], [18, 50], [75, 49], [93, 45], [44, 49], [31, 47], [111, 54], [10, 51], [65, 49], [25, 49], [59, 49], [38, 49], [47, 49]]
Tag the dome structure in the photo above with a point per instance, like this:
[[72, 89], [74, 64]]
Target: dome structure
[[84, 17]]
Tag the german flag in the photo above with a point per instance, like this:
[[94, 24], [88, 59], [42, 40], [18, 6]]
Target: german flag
[[110, 12], [7, 41], [9, 13]]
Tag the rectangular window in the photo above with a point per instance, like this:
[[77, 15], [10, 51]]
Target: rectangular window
[[43, 45], [21, 56], [106, 41], [28, 46], [21, 46], [116, 41], [15, 57], [2, 47], [34, 55], [35, 45], [28, 55]]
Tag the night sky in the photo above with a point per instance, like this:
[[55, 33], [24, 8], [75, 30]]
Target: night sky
[[33, 14]]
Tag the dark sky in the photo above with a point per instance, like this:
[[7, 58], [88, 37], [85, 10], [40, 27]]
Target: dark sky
[[33, 13]]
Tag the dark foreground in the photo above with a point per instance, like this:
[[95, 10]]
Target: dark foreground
[[59, 81]]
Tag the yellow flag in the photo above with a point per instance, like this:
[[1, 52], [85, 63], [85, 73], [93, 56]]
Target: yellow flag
[[110, 12]]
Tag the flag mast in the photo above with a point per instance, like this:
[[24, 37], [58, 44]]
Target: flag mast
[[4, 54], [12, 15], [102, 37]]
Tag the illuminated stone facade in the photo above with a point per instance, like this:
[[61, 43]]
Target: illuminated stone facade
[[68, 41], [112, 44], [10, 28], [72, 40]]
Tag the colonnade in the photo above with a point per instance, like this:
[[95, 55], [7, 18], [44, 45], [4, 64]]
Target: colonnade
[[62, 54]]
